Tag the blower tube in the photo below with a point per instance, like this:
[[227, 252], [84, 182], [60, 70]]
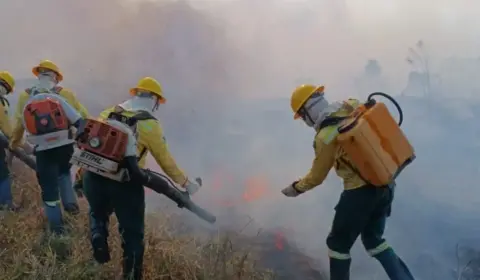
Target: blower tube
[[163, 185]]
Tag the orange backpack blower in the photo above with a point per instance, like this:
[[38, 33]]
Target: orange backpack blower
[[45, 116], [102, 146], [102, 150], [375, 143]]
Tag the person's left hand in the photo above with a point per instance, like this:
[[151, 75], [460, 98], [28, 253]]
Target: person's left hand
[[192, 187], [290, 191]]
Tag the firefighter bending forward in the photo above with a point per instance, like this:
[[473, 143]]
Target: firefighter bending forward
[[362, 209], [49, 130], [127, 199]]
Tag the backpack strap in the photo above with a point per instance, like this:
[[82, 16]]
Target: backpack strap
[[143, 116], [330, 121], [130, 121], [56, 90]]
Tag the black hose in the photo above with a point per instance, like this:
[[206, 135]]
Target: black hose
[[400, 112], [19, 153], [161, 184]]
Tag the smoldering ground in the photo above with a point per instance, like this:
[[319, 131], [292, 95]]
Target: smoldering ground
[[228, 68]]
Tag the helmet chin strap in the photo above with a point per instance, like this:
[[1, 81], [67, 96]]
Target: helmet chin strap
[[156, 105]]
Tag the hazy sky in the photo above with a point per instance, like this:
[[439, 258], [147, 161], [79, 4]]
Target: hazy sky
[[272, 44]]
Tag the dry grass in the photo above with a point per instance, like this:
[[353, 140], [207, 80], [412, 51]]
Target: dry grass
[[26, 252]]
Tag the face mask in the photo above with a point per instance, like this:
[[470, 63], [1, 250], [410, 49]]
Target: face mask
[[47, 80], [314, 109], [145, 103], [318, 108], [3, 91], [152, 99]]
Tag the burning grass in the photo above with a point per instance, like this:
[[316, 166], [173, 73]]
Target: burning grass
[[27, 253]]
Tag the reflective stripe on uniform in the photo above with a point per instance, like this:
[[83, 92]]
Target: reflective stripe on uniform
[[337, 255], [52, 203], [377, 250]]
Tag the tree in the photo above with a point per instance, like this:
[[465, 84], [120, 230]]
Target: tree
[[417, 57]]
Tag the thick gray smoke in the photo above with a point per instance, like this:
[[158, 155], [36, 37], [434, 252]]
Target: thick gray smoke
[[228, 68]]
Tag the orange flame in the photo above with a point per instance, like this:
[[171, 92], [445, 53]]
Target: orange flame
[[279, 240], [256, 188]]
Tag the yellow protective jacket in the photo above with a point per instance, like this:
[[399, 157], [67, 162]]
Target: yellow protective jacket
[[328, 154], [5, 124], [17, 134], [151, 139]]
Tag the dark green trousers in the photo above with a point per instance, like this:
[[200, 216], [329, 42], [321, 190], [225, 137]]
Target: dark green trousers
[[55, 180], [6, 199], [4, 171], [363, 212], [127, 201]]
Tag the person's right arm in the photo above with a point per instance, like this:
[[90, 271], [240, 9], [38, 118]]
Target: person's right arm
[[151, 136]]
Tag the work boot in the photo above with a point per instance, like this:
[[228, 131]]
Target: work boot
[[99, 235], [55, 218], [340, 269], [72, 208], [101, 251], [132, 268], [393, 265]]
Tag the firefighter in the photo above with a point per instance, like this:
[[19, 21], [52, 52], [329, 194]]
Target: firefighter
[[7, 84], [127, 199], [53, 167], [362, 209]]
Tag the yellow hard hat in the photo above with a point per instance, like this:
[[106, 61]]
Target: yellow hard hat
[[151, 85], [7, 79], [301, 94], [49, 65]]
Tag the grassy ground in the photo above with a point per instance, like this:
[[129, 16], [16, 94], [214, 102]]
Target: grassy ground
[[26, 252]]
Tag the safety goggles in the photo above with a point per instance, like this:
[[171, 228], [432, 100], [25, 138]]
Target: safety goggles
[[47, 72], [149, 94], [303, 112]]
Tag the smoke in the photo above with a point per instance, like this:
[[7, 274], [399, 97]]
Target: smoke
[[228, 67]]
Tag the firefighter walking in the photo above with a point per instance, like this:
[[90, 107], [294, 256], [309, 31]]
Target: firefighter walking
[[127, 198], [363, 208], [7, 84], [48, 112]]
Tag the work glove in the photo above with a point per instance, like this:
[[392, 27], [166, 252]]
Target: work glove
[[291, 191], [192, 187]]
